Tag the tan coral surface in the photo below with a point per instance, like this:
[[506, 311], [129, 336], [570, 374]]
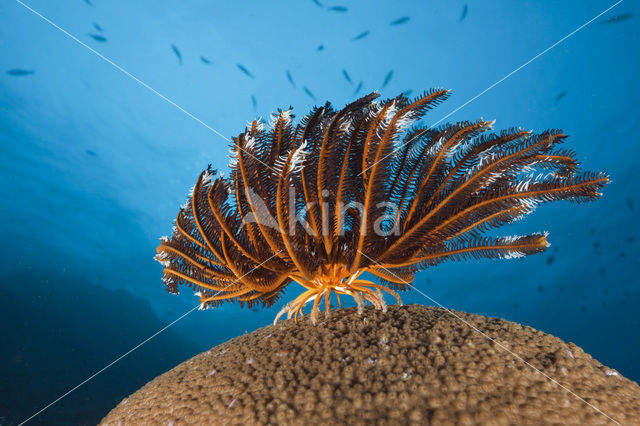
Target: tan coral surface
[[413, 364]]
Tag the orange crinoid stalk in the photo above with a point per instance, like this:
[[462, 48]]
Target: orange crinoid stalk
[[362, 190]]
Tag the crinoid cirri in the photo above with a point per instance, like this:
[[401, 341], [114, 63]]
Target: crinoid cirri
[[362, 190]]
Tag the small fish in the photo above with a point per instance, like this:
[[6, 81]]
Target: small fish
[[346, 76], [360, 36], [387, 79], [98, 37], [317, 3], [20, 72], [400, 21], [560, 96], [618, 18], [540, 289], [290, 78], [465, 9], [254, 103], [91, 153], [244, 70], [320, 48], [205, 60], [630, 203], [550, 260], [97, 27], [88, 2], [358, 88], [177, 52], [338, 9], [407, 93], [308, 92]]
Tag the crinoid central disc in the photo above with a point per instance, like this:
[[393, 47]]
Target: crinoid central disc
[[338, 281]]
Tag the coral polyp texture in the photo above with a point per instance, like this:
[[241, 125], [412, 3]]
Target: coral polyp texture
[[362, 190]]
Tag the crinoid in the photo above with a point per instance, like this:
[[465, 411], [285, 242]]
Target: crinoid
[[361, 190]]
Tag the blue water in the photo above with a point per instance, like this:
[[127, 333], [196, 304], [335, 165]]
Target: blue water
[[97, 154]]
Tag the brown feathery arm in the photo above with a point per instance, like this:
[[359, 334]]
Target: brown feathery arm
[[273, 244], [283, 215], [364, 219], [455, 138], [518, 155]]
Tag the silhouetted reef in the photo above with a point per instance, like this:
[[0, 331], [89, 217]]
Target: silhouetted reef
[[60, 329]]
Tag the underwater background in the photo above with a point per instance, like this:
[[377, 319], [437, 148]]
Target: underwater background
[[109, 110]]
